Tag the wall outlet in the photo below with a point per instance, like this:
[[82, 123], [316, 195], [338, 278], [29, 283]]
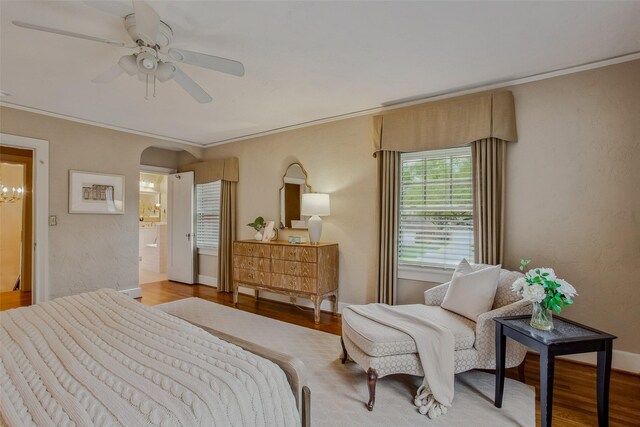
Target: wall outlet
[[53, 220]]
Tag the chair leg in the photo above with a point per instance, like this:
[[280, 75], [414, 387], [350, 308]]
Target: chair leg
[[372, 378], [521, 366], [344, 352]]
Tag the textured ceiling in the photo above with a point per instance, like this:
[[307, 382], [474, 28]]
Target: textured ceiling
[[304, 60]]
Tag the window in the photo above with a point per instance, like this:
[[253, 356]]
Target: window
[[436, 208], [207, 215]]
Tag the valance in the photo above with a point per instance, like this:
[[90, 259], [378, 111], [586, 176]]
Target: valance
[[447, 123], [213, 170]]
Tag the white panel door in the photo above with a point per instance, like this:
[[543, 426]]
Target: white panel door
[[181, 218]]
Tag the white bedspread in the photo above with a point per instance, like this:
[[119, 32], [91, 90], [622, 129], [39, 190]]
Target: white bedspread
[[103, 359]]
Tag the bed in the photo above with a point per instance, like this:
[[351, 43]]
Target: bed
[[103, 359]]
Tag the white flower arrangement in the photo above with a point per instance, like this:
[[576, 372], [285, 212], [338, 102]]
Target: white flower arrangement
[[540, 285]]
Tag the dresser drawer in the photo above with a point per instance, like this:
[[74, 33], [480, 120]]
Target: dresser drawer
[[251, 263], [292, 253], [253, 277], [251, 249], [294, 268], [293, 283]]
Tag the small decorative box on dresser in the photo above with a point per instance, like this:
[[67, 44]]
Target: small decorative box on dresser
[[297, 270]]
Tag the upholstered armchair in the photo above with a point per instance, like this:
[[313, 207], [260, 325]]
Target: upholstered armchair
[[482, 355], [381, 350]]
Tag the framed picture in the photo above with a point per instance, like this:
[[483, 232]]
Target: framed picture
[[96, 193]]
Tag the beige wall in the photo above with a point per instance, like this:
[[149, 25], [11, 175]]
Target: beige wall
[[10, 228], [87, 252], [337, 157], [154, 156], [208, 265], [572, 192]]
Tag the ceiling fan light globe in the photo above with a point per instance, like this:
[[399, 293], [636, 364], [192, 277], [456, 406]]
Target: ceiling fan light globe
[[147, 62], [165, 71]]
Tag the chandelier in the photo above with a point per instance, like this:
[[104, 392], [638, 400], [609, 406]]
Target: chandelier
[[10, 195]]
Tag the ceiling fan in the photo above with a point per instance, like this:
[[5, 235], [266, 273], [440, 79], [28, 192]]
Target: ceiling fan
[[152, 38]]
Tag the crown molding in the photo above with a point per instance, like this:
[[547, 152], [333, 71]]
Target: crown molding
[[441, 95]]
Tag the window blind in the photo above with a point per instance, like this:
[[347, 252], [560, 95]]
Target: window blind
[[436, 208], [207, 215]]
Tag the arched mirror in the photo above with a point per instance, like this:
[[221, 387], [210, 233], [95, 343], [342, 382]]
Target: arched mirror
[[294, 185]]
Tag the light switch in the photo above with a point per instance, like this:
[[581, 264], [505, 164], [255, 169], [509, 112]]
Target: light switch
[[53, 220]]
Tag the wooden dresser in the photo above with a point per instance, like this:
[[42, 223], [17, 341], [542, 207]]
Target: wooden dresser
[[297, 270]]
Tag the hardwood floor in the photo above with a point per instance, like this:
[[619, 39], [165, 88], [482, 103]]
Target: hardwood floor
[[14, 299], [574, 402], [157, 293]]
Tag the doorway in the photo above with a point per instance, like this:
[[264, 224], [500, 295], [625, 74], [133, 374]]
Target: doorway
[[153, 215], [16, 227]]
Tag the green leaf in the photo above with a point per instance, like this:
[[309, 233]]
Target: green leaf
[[523, 263]]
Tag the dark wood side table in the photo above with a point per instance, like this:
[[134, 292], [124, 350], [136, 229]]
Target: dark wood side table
[[566, 338]]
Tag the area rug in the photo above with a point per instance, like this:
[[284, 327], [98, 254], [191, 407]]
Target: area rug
[[339, 392]]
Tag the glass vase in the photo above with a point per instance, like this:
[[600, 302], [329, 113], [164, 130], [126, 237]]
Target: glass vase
[[541, 318]]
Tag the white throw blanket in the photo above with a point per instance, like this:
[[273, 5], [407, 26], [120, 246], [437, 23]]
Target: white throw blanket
[[435, 346], [103, 359]]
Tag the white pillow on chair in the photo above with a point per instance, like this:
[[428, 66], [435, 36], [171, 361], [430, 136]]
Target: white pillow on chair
[[471, 293]]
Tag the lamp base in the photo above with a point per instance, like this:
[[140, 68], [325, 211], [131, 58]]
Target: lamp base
[[314, 226]]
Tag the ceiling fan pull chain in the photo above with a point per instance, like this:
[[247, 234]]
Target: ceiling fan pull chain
[[146, 88], [154, 85]]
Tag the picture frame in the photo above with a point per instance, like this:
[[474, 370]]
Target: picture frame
[[268, 231], [96, 193]]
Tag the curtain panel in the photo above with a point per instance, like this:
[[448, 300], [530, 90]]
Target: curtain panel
[[389, 196], [448, 123], [228, 200], [488, 156]]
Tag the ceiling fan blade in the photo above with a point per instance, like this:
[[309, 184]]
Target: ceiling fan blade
[[216, 63], [128, 63], [110, 75], [190, 86], [147, 21], [66, 33]]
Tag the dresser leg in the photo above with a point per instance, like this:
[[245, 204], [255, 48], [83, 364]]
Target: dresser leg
[[334, 302], [235, 295], [316, 308]]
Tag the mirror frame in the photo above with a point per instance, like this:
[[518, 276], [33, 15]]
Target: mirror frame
[[306, 183]]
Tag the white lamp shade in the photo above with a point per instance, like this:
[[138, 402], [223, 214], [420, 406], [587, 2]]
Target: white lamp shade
[[316, 204]]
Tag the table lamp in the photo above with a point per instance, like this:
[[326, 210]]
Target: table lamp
[[315, 205]]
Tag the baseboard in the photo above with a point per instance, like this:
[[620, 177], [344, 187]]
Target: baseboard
[[622, 360], [302, 302], [133, 293], [207, 280]]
